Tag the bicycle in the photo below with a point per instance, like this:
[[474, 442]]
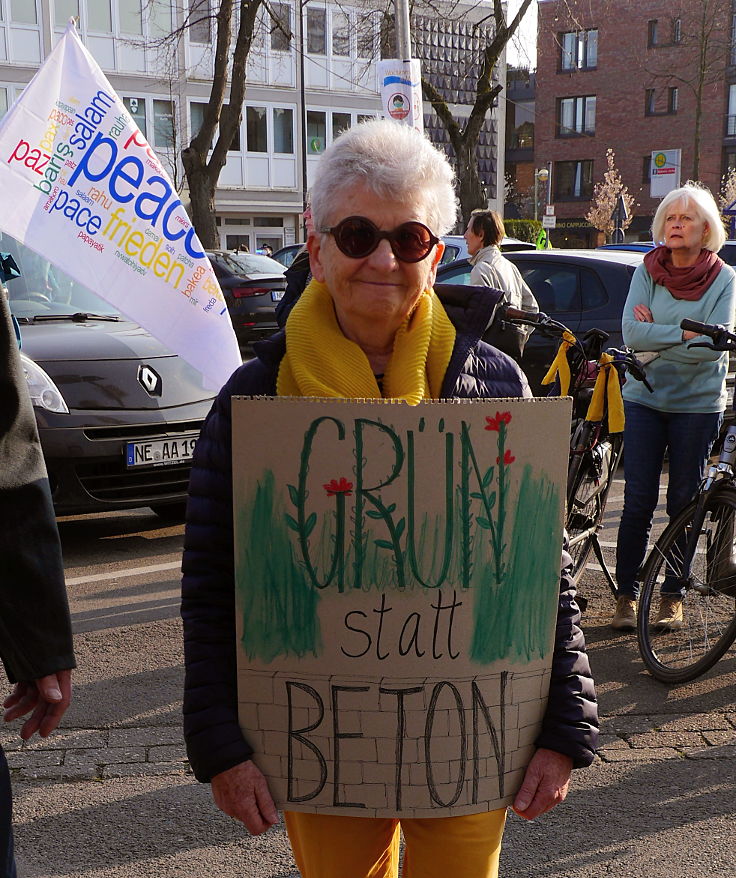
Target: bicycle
[[596, 445], [695, 555]]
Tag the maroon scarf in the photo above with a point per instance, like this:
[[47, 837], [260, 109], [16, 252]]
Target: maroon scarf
[[688, 283]]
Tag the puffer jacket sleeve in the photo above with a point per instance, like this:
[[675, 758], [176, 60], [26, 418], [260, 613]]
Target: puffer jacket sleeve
[[211, 730], [570, 724]]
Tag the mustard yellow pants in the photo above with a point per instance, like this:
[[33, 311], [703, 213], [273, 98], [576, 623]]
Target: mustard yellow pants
[[326, 846]]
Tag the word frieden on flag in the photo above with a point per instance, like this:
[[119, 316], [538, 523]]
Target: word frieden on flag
[[83, 188]]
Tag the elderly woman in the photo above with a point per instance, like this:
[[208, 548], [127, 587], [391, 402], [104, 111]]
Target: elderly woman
[[681, 278], [368, 325]]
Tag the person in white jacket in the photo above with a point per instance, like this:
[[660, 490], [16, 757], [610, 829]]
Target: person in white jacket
[[484, 233]]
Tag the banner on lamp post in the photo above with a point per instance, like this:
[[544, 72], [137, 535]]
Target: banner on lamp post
[[83, 188], [401, 91]]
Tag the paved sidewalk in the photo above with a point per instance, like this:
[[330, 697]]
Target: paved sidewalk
[[96, 754], [101, 754]]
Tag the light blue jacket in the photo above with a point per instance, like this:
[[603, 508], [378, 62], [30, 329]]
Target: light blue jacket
[[684, 379]]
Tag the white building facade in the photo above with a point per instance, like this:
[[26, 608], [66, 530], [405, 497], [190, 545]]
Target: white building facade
[[293, 109]]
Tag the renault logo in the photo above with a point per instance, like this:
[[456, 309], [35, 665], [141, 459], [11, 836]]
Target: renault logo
[[150, 380]]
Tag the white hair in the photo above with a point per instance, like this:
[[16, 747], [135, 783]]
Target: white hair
[[394, 161], [700, 200]]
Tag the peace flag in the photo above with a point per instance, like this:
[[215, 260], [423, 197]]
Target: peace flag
[[82, 187]]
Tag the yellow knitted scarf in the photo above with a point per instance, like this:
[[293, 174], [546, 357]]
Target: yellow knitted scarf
[[320, 361]]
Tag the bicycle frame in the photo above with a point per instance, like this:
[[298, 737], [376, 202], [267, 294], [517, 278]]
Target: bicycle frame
[[718, 476]]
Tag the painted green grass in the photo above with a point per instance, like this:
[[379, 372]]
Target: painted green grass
[[512, 617], [278, 605]]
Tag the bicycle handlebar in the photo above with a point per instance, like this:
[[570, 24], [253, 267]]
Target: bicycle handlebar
[[723, 338]]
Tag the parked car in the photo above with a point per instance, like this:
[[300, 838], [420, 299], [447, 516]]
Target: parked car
[[727, 252], [456, 247], [286, 254], [581, 288], [118, 413], [253, 285]]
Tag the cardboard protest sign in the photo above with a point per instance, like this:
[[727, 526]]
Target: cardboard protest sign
[[84, 189], [397, 580]]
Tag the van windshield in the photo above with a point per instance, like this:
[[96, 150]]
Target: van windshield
[[43, 288]]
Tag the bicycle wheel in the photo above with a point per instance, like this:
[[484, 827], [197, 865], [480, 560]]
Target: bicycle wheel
[[587, 500], [709, 602]]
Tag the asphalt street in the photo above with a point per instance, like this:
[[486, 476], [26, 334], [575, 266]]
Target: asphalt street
[[111, 795]]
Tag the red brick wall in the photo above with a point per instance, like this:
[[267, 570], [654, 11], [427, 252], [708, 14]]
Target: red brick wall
[[626, 68]]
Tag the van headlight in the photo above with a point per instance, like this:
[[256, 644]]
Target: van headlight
[[44, 393]]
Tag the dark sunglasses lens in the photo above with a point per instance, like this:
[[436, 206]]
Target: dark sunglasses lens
[[356, 237], [412, 241]]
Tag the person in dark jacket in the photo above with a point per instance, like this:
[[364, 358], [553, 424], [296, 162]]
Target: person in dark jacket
[[374, 256], [35, 628]]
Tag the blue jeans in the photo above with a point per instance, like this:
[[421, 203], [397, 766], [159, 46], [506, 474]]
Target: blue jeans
[[7, 860], [688, 438]]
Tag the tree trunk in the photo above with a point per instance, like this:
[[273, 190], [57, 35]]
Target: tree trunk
[[202, 199], [470, 189]]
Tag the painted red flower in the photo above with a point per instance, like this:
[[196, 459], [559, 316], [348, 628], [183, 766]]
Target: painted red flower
[[507, 458], [342, 487], [495, 423]]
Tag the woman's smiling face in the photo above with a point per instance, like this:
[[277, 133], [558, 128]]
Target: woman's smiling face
[[379, 290]]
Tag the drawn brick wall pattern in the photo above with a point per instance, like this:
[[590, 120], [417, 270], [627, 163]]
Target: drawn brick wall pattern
[[363, 737]]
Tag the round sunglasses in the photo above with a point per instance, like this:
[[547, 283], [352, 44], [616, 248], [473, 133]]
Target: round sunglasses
[[357, 237]]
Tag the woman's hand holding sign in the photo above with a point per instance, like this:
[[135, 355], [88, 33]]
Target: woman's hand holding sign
[[242, 792], [545, 785]]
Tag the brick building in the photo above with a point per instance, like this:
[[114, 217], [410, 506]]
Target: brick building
[[627, 74]]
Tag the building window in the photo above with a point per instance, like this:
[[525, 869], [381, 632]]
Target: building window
[[316, 31], [283, 130], [340, 34], [99, 16], [131, 17], [363, 118], [200, 28], [677, 31], [281, 27], [163, 124], [316, 132], [646, 168], [64, 10], [652, 31], [579, 50], [576, 116], [3, 101], [731, 118], [196, 118], [573, 180], [650, 102], [23, 11], [256, 129], [137, 109], [366, 30], [340, 123]]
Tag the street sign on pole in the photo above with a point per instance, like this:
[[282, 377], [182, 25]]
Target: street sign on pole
[[549, 222], [665, 171]]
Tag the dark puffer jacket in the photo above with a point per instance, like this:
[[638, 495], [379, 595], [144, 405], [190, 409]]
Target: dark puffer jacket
[[214, 740]]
